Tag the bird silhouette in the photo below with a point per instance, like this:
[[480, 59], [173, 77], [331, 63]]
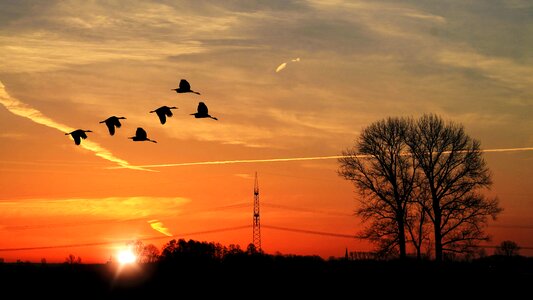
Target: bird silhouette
[[184, 87], [163, 112], [78, 134], [140, 135], [111, 122], [203, 112]]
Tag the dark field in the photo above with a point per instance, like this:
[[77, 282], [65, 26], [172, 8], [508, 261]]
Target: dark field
[[273, 276]]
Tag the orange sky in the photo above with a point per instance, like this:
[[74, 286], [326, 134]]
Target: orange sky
[[70, 64]]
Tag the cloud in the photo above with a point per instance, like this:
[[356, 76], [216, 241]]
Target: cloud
[[118, 208], [497, 68], [281, 67], [44, 51], [60, 34], [245, 176], [158, 226], [284, 65], [19, 108]]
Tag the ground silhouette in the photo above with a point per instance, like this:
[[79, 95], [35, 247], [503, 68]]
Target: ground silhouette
[[201, 269]]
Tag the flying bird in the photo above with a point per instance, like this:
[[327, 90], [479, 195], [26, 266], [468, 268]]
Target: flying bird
[[78, 134], [140, 135], [112, 122], [284, 65], [184, 87], [163, 112], [202, 112]]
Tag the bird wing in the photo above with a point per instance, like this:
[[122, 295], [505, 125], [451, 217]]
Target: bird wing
[[202, 108], [116, 122], [76, 138], [161, 115], [140, 133], [83, 135], [168, 112], [111, 127], [184, 85]]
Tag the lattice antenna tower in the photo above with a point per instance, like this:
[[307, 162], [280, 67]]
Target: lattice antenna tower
[[256, 223]]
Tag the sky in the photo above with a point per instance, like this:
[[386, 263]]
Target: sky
[[286, 79]]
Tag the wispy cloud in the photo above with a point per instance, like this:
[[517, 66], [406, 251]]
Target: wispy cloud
[[158, 226], [245, 176], [58, 34], [37, 52], [497, 68], [111, 208], [19, 108]]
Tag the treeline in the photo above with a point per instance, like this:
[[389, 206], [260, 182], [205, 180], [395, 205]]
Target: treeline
[[191, 252]]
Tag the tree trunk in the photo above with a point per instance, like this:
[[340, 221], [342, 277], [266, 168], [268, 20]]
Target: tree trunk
[[401, 237], [438, 236]]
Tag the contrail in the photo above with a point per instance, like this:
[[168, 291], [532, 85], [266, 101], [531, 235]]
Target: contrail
[[267, 160], [19, 108], [239, 161]]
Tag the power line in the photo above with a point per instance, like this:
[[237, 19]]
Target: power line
[[123, 241], [295, 208], [310, 231]]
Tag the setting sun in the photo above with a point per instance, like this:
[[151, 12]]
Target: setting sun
[[126, 257]]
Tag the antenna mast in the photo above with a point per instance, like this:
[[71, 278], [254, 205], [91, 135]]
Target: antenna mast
[[256, 222]]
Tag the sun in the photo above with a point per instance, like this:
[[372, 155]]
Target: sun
[[126, 257]]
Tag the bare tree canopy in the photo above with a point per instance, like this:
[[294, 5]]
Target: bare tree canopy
[[416, 174]]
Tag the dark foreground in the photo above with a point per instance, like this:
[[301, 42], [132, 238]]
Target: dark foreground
[[280, 277]]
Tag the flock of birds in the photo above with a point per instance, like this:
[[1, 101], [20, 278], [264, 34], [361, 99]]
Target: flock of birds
[[162, 112]]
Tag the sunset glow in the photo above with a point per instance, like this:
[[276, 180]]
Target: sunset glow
[[126, 257]]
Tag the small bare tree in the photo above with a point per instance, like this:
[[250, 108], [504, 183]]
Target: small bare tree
[[72, 260], [508, 248]]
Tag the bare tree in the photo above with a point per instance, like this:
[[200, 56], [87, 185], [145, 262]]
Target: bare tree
[[385, 178], [453, 171], [150, 253], [137, 248], [72, 260], [508, 248]]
